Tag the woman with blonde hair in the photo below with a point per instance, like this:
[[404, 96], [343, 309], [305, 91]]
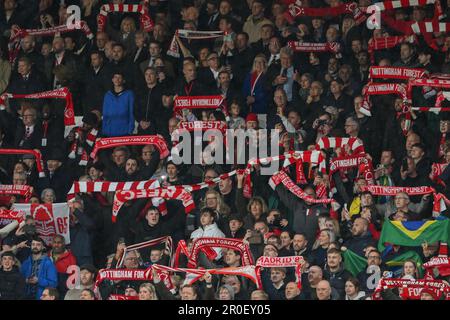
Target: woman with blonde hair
[[253, 89], [147, 291], [126, 34], [321, 246], [214, 200]]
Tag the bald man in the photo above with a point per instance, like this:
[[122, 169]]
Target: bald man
[[323, 290], [315, 275], [361, 238]]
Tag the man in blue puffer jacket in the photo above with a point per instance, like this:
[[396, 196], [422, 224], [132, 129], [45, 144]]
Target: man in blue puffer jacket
[[118, 109], [38, 270]]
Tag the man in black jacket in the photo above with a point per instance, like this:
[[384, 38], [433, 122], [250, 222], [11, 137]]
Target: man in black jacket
[[26, 81], [97, 83], [242, 59], [149, 111], [12, 283], [334, 271], [28, 132], [57, 177]]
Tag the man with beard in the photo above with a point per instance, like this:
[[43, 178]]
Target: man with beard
[[87, 278], [38, 270], [62, 259], [131, 170], [300, 245], [12, 283]]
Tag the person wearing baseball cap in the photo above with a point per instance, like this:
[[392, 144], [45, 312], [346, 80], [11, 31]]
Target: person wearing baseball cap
[[86, 281]]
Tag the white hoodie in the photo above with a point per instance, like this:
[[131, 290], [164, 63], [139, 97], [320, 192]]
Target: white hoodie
[[210, 231]]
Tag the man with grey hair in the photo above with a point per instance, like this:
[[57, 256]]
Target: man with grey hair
[[351, 127], [284, 75]]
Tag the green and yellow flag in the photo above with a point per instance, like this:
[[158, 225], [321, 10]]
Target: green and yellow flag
[[414, 233]]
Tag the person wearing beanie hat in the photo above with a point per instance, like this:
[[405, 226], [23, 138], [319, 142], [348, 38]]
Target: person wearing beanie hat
[[225, 292], [12, 283], [428, 294], [251, 121]]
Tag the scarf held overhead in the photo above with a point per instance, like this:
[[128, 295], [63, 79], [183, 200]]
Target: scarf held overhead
[[145, 19], [157, 141], [61, 93]]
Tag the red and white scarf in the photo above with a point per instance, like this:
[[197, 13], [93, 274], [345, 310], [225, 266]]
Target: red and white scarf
[[123, 196], [107, 143], [122, 275], [392, 191], [282, 177], [174, 49], [61, 93], [109, 186], [145, 19], [12, 215], [76, 149], [333, 47], [193, 275], [36, 154], [355, 144], [387, 43], [296, 10], [199, 102], [17, 34], [395, 4], [206, 245], [439, 200], [16, 190], [441, 262], [167, 241], [436, 171], [403, 73], [375, 88], [411, 289], [192, 126], [432, 82], [347, 162], [282, 262]]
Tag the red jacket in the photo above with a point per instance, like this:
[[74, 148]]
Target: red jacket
[[64, 261]]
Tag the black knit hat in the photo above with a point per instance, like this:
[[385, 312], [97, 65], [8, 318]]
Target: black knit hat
[[8, 254]]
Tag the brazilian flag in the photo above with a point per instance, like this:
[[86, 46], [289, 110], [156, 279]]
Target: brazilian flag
[[396, 264], [354, 263], [414, 233]]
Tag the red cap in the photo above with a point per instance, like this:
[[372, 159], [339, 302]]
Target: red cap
[[251, 117]]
